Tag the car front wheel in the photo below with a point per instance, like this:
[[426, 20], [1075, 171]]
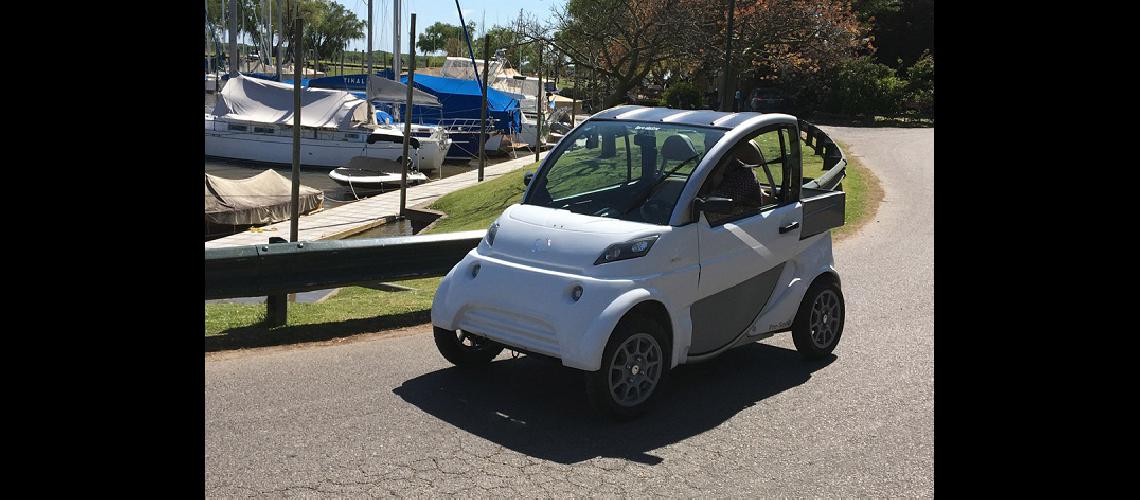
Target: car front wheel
[[634, 364], [819, 321]]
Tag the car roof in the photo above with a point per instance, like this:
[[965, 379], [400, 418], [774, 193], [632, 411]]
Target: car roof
[[701, 118]]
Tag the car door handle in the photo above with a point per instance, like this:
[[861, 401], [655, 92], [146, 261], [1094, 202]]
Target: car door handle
[[789, 227]]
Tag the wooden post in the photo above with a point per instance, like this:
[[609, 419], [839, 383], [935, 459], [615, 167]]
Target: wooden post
[[298, 71], [408, 117], [483, 112], [541, 104]]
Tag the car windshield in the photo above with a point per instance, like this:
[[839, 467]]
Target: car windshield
[[626, 170]]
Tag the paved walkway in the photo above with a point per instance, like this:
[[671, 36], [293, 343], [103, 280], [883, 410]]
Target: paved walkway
[[351, 218]]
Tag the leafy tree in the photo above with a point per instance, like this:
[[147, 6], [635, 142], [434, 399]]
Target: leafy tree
[[901, 30], [620, 40], [434, 38]]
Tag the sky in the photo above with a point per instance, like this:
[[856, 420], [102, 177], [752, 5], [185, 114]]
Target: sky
[[428, 12]]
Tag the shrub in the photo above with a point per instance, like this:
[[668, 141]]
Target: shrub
[[862, 86], [920, 89], [681, 95]]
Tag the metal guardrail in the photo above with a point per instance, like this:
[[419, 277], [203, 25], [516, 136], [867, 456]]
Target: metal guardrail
[[281, 268]]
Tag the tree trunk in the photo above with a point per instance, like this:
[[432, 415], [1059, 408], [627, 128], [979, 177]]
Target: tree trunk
[[619, 94]]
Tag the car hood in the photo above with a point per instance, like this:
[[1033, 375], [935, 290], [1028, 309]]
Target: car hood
[[560, 240]]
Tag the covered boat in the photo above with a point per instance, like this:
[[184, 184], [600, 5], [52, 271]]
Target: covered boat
[[253, 118], [235, 204], [461, 111]]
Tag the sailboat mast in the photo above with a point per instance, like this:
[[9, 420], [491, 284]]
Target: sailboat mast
[[469, 49], [369, 39], [280, 39], [233, 38], [396, 40]]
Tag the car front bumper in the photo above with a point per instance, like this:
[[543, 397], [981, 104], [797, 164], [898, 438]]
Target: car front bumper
[[533, 309]]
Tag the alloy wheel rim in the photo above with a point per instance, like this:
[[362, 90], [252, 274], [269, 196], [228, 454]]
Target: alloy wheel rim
[[635, 369], [826, 316]]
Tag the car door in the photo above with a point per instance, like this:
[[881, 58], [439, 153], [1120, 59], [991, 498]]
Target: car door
[[743, 252]]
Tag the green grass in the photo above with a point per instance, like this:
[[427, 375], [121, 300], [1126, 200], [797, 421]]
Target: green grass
[[478, 206], [352, 303], [863, 193], [360, 310]]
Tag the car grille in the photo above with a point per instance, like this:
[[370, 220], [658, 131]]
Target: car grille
[[512, 329]]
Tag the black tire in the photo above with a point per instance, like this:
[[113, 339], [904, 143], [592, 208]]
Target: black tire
[[598, 382], [816, 343], [466, 350]]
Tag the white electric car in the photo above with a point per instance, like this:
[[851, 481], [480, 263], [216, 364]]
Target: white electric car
[[652, 237]]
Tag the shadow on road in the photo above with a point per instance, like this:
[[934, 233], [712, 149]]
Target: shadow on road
[[539, 408]]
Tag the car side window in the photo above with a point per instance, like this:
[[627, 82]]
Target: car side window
[[755, 175]]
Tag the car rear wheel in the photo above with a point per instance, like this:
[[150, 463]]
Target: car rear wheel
[[464, 348], [819, 321], [634, 365]]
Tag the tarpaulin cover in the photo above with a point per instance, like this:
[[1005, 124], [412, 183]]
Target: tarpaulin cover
[[265, 101], [463, 99], [392, 91], [261, 199], [383, 89]]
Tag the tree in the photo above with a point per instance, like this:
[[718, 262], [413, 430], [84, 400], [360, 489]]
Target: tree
[[331, 29], [621, 40], [901, 29], [434, 37]]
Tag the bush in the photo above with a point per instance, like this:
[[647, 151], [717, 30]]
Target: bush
[[920, 89], [862, 86], [681, 95]]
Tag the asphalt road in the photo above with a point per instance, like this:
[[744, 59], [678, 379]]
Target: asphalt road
[[388, 416]]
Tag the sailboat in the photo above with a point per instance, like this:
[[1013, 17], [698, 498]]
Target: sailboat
[[253, 118]]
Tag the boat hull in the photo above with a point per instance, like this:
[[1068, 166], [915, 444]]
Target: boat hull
[[316, 152], [347, 178]]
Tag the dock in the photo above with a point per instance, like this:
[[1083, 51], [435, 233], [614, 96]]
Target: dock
[[352, 218]]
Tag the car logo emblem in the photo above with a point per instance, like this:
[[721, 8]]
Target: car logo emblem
[[539, 245]]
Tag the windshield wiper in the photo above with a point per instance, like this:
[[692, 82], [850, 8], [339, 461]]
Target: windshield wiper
[[652, 187]]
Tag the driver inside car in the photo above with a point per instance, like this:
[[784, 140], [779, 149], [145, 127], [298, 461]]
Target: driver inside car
[[735, 179]]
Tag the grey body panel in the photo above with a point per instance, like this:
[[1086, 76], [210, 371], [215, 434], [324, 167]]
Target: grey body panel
[[823, 210], [720, 318]]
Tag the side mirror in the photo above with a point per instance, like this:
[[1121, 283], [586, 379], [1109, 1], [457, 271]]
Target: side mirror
[[713, 205], [527, 177]]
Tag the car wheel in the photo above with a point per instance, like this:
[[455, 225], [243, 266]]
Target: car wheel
[[465, 349], [819, 321], [634, 365]]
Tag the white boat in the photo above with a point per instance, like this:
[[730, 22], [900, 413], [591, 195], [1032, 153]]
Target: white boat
[[253, 118], [373, 173]]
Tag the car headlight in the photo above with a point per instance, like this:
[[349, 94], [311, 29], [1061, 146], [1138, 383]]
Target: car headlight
[[491, 231], [627, 250]]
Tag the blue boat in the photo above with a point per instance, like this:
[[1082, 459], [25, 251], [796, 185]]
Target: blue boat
[[459, 114]]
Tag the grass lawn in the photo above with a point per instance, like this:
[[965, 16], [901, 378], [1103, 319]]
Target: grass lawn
[[360, 310]]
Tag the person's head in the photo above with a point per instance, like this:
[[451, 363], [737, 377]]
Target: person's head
[[747, 154]]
